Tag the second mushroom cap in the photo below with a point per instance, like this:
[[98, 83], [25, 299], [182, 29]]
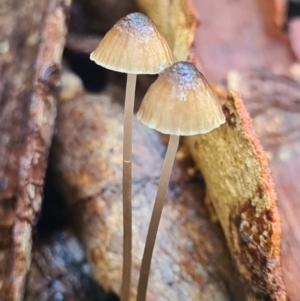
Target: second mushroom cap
[[181, 102]]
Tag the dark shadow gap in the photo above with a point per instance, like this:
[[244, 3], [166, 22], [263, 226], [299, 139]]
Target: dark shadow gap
[[92, 75]]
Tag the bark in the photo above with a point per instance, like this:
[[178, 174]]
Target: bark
[[191, 260], [31, 52], [274, 105], [240, 186]]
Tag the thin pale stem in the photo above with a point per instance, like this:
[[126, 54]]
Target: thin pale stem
[[127, 215], [155, 218]]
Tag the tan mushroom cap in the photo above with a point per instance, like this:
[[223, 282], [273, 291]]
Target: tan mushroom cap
[[134, 45], [181, 102]]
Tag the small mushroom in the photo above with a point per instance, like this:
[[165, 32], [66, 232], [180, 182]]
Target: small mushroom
[[179, 103], [133, 46]]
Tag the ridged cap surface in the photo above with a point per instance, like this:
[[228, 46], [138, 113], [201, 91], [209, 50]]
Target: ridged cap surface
[[134, 45], [181, 102]]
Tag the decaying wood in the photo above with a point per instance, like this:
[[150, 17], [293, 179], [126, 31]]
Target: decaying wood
[[239, 184], [31, 47], [273, 102], [266, 94], [191, 260]]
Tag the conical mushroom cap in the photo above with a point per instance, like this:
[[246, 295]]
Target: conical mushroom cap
[[180, 102], [134, 45]]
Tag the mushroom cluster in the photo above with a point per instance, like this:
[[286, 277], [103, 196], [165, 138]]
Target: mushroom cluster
[[179, 103], [134, 46]]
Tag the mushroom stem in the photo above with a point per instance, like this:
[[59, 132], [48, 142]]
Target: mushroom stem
[[127, 215], [155, 218]]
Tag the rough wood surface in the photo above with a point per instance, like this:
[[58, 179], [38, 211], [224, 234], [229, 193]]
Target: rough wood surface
[[241, 43], [273, 102], [241, 189], [191, 260], [32, 40]]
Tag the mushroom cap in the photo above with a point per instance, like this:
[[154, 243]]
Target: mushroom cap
[[133, 45], [181, 102]]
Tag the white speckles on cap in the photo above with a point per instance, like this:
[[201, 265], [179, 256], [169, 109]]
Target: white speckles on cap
[[185, 74], [180, 102], [137, 25], [184, 77], [134, 45]]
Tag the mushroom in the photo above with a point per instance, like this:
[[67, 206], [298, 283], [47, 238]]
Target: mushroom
[[133, 46], [179, 103]]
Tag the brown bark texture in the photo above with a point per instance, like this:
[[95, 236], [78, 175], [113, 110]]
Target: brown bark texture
[[32, 40], [273, 102], [236, 38], [241, 189], [191, 260]]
